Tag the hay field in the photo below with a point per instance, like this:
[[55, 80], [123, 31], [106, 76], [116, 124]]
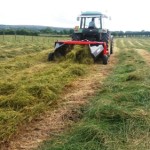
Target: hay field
[[118, 117], [29, 84]]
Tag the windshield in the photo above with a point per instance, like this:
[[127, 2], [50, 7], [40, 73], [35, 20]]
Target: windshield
[[86, 21]]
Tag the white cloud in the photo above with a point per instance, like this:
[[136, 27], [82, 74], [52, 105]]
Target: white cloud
[[125, 14]]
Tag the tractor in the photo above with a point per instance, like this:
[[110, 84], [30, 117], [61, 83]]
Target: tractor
[[98, 39]]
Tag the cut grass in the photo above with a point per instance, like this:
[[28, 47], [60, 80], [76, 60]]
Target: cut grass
[[9, 121], [29, 85], [22, 95], [119, 115], [80, 54]]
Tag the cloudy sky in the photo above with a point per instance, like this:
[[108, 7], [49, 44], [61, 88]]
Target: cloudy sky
[[126, 14]]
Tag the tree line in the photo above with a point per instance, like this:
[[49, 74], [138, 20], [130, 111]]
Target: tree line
[[131, 33], [50, 31], [18, 32], [35, 33]]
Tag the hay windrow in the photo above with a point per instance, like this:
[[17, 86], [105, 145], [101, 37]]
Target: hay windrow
[[29, 84], [80, 54], [9, 121]]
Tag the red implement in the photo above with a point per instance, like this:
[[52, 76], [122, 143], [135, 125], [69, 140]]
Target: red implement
[[90, 43], [98, 50]]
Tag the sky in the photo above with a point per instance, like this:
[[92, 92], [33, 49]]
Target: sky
[[126, 15]]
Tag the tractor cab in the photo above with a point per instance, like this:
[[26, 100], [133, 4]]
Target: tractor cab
[[86, 17], [85, 31]]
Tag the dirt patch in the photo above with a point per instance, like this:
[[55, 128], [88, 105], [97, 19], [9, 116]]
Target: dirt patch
[[67, 110], [145, 54]]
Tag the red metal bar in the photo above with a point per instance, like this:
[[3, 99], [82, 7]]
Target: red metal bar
[[69, 42], [105, 51], [80, 42]]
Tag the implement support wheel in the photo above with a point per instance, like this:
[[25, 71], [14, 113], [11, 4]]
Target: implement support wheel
[[51, 57], [105, 59]]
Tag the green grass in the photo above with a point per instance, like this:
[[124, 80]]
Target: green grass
[[118, 117], [29, 84]]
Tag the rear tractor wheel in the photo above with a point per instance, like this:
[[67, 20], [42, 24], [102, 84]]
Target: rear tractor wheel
[[111, 46]]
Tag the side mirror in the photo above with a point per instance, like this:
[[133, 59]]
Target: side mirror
[[78, 18]]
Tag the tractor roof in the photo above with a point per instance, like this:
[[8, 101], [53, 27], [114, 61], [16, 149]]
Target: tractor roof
[[92, 14]]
